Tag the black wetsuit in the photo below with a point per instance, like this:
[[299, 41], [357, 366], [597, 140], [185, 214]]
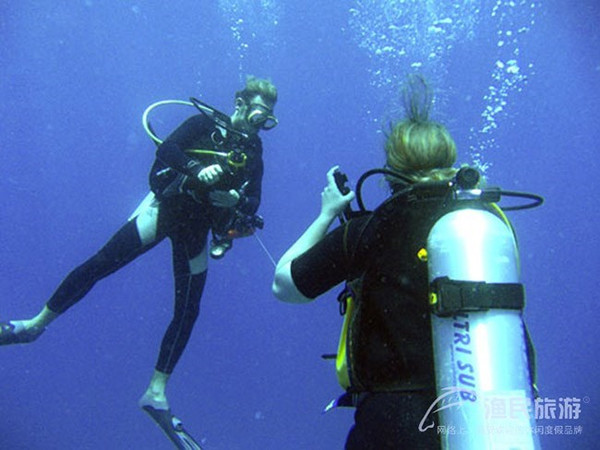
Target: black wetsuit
[[389, 346], [184, 215]]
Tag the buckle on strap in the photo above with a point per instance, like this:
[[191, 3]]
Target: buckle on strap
[[449, 297]]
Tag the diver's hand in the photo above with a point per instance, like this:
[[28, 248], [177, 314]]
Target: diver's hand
[[211, 174], [224, 199], [333, 202]]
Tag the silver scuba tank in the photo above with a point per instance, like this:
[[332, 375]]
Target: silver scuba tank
[[484, 388]]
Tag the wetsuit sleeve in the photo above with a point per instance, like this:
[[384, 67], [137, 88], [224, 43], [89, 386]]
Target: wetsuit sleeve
[[171, 151], [251, 200], [328, 263]]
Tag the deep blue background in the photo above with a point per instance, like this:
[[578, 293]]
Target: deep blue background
[[75, 78]]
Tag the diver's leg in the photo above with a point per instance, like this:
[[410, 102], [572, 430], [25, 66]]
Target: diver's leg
[[188, 231], [189, 283], [190, 268], [134, 238], [137, 236]]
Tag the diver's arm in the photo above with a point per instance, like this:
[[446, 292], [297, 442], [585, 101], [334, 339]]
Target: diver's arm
[[332, 204], [247, 197], [210, 174], [173, 156], [171, 151], [284, 287]]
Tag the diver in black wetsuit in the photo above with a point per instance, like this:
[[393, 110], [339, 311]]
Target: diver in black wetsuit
[[388, 374], [386, 360], [207, 175]]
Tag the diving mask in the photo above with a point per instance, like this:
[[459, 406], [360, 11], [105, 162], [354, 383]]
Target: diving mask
[[261, 117]]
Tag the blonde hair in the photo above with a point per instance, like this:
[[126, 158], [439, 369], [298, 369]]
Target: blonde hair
[[417, 147], [259, 86]]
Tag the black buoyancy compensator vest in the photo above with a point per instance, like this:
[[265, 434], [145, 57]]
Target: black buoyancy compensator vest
[[388, 338]]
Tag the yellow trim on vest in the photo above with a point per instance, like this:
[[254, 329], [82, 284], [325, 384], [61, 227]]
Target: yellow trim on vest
[[341, 360]]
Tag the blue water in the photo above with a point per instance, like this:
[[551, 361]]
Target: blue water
[[518, 85]]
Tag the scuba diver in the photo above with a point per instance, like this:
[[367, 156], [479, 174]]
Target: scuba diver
[[385, 358], [207, 175]]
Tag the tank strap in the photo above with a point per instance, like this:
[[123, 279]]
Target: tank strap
[[449, 297]]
